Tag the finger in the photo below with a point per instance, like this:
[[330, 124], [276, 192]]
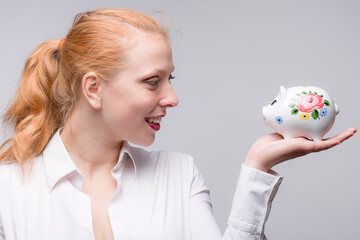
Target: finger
[[302, 146], [324, 145], [333, 141], [344, 135], [307, 146]]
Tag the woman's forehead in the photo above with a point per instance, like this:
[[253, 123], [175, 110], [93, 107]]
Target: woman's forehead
[[150, 52]]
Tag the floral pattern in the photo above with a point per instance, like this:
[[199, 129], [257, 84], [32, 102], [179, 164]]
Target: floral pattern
[[323, 112], [309, 104], [304, 116], [279, 120]]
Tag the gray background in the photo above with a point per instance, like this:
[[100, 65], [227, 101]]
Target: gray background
[[231, 57]]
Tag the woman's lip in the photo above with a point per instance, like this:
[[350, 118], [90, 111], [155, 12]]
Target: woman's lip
[[158, 116], [155, 127]]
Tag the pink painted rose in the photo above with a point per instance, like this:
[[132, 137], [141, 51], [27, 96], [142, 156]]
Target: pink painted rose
[[307, 103]]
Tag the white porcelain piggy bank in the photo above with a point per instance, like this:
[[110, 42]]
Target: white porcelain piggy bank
[[303, 111]]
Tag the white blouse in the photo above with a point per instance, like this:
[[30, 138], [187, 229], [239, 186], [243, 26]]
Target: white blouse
[[160, 195]]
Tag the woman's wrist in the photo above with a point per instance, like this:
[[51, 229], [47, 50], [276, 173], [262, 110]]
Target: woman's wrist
[[257, 165]]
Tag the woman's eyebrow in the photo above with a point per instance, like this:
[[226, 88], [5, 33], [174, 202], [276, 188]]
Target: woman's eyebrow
[[157, 71]]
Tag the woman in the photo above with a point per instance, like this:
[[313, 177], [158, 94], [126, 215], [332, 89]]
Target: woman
[[69, 172]]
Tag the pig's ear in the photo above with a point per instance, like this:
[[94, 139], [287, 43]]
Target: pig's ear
[[282, 92]]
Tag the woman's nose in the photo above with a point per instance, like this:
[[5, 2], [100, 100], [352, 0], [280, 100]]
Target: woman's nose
[[169, 98]]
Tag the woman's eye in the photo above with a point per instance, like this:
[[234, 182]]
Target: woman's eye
[[273, 102], [153, 82]]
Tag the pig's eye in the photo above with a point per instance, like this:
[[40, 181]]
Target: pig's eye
[[273, 102]]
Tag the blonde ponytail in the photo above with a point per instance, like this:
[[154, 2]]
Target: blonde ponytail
[[32, 112]]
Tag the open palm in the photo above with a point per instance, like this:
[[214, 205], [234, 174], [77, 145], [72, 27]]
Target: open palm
[[273, 149]]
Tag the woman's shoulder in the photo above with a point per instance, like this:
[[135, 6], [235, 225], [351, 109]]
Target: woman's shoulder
[[10, 177], [9, 170], [161, 156], [164, 161], [171, 168], [12, 174]]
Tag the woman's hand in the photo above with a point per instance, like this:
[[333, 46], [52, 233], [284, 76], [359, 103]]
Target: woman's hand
[[273, 149]]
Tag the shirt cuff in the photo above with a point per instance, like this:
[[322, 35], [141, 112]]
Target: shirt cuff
[[254, 194]]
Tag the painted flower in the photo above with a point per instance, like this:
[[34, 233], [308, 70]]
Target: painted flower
[[307, 103], [323, 112], [279, 120], [304, 116]]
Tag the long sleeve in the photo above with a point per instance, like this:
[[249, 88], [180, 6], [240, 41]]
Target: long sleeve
[[2, 234], [2, 237], [250, 209]]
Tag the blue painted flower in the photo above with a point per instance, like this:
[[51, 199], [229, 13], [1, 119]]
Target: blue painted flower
[[323, 112], [279, 120]]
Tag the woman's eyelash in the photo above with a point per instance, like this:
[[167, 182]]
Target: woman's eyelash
[[171, 77], [154, 82]]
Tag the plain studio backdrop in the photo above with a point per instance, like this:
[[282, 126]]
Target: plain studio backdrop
[[230, 58]]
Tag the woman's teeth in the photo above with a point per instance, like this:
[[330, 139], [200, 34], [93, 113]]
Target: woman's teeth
[[153, 120]]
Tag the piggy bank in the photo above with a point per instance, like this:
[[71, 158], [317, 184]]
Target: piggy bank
[[303, 111]]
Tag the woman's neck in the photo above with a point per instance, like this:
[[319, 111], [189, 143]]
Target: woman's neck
[[88, 147]]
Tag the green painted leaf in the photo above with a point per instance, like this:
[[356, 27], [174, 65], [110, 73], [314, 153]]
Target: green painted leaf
[[315, 92], [292, 105], [321, 95], [304, 93], [294, 111], [309, 91], [326, 102], [315, 114]]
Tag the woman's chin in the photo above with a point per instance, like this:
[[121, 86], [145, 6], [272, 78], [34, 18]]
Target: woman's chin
[[144, 142]]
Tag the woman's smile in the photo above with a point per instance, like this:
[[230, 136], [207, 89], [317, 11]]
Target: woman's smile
[[154, 122]]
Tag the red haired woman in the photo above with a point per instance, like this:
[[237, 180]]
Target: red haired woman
[[69, 173]]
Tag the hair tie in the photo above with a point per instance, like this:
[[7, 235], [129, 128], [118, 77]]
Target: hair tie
[[61, 43]]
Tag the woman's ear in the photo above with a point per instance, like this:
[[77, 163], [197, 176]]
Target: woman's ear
[[91, 86]]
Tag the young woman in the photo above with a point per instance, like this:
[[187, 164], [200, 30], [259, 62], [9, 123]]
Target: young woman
[[69, 172]]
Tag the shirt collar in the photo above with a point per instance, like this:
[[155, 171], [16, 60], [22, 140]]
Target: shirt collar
[[126, 153], [59, 165]]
